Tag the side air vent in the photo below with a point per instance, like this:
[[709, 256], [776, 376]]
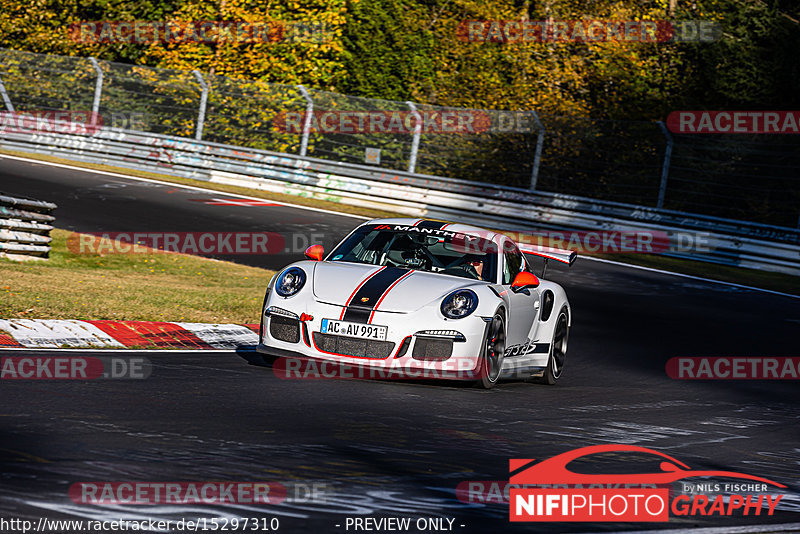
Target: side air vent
[[548, 299]]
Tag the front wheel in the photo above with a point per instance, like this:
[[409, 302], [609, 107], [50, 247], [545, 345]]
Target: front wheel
[[494, 350], [558, 349]]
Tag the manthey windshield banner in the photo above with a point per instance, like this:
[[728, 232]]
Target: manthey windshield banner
[[549, 491]]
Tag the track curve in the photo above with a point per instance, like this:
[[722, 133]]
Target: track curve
[[391, 448]]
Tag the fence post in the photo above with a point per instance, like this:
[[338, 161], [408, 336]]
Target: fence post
[[662, 189], [6, 100], [98, 90], [201, 113], [306, 120], [537, 158], [412, 159]]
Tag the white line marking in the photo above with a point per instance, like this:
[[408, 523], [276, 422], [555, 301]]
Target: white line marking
[[691, 276], [192, 187]]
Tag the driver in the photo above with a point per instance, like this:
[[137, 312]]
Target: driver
[[471, 264], [477, 264], [406, 251]]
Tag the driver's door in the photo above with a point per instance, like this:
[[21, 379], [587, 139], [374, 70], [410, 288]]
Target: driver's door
[[524, 304]]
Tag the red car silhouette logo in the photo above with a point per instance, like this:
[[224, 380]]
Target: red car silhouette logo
[[554, 470]]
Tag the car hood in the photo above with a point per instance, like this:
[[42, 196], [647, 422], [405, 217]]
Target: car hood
[[335, 282]]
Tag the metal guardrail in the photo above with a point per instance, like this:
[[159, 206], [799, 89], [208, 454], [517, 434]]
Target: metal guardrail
[[25, 227], [729, 242], [742, 176]]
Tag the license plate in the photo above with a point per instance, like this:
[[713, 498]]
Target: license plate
[[344, 328]]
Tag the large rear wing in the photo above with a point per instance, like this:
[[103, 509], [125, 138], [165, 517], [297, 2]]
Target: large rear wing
[[558, 254]]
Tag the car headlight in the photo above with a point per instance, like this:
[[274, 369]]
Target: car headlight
[[459, 304], [290, 282]]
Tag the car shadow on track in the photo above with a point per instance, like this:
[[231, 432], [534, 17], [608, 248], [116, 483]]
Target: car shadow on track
[[249, 354]]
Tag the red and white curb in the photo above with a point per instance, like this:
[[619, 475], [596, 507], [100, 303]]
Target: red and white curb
[[58, 333]]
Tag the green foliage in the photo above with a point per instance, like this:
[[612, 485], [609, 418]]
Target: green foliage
[[597, 100], [755, 65], [410, 49], [389, 48]]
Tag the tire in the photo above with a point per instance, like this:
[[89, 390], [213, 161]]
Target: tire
[[493, 353], [558, 349]]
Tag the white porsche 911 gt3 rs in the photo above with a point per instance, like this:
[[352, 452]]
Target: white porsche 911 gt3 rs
[[424, 297]]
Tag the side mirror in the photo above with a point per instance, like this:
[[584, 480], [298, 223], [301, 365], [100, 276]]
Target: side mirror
[[315, 252], [524, 280]]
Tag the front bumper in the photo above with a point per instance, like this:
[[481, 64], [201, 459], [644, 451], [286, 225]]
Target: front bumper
[[449, 350]]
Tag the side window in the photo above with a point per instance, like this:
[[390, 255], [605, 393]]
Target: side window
[[513, 264]]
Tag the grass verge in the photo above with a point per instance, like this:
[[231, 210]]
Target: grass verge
[[154, 286], [751, 277]]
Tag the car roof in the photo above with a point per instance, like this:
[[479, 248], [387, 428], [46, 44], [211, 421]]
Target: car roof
[[451, 227]]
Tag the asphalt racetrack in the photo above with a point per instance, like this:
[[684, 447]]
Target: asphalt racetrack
[[394, 448]]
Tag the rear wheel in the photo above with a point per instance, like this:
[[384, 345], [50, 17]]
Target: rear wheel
[[494, 349], [558, 349]]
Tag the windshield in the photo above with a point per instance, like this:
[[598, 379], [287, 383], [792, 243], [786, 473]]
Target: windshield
[[435, 251]]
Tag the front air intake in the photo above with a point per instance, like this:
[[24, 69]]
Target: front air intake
[[284, 328], [432, 349], [352, 346]]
